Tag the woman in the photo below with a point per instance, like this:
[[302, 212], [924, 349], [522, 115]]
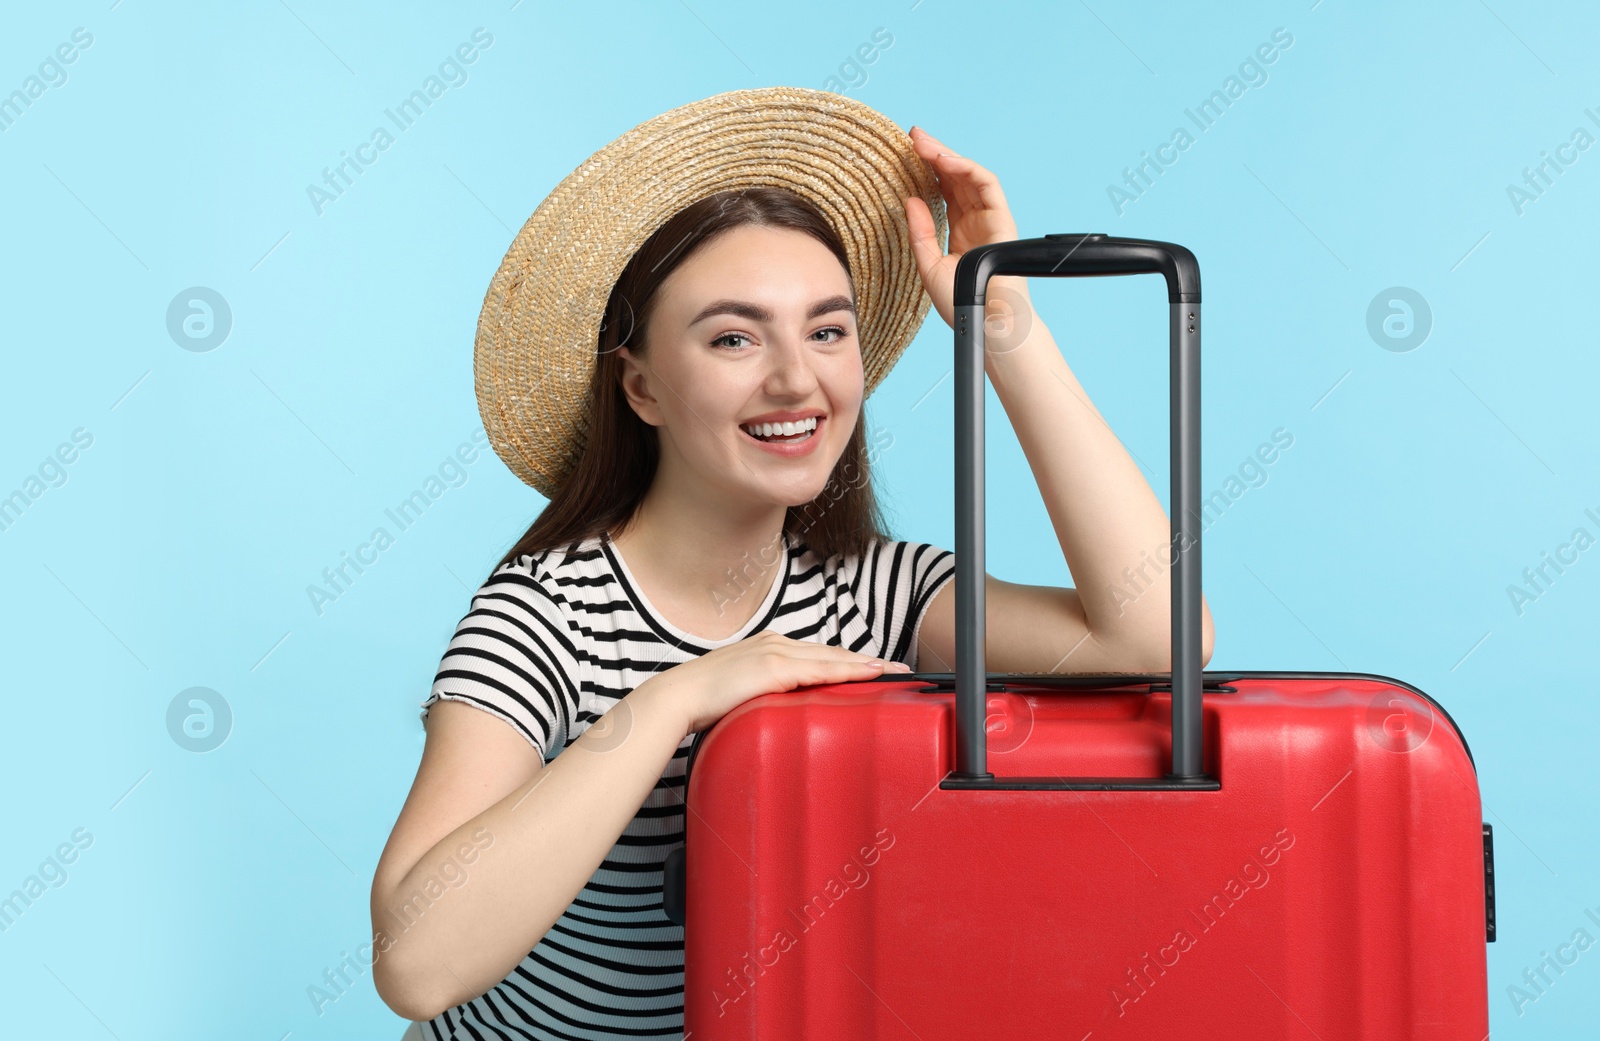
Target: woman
[[694, 555]]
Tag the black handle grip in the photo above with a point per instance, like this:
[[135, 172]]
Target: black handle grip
[[1077, 254], [1074, 255]]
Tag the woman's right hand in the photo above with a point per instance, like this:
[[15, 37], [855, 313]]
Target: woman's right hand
[[718, 681]]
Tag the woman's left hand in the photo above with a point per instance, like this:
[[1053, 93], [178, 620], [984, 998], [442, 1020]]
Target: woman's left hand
[[978, 215]]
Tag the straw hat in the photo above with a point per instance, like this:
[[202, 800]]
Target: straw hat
[[538, 333]]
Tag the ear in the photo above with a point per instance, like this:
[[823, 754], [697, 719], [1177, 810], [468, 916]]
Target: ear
[[635, 380]]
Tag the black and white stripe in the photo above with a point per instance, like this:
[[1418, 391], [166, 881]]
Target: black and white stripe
[[550, 643]]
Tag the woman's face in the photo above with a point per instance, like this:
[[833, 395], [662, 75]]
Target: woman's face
[[759, 320]]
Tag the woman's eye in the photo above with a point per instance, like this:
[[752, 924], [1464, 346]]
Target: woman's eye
[[839, 334]]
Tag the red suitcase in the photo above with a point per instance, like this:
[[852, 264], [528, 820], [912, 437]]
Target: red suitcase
[[900, 858]]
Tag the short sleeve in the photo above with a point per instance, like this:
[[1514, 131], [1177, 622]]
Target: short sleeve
[[894, 585], [513, 655]]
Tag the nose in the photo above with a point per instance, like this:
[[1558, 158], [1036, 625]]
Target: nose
[[790, 372]]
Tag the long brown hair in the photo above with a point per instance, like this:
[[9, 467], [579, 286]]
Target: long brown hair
[[619, 456]]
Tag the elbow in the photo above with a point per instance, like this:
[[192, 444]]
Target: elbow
[[1208, 638], [1152, 652], [402, 975], [404, 992]]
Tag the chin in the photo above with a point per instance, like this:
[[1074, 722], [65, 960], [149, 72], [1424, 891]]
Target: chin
[[798, 493]]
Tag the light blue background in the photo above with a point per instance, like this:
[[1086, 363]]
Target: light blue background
[[177, 553]]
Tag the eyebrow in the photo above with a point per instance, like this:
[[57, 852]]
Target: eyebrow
[[757, 313]]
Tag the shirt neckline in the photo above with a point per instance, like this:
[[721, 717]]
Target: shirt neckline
[[657, 621]]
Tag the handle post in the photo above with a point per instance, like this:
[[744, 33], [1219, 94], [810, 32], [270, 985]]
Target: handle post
[[972, 745], [1185, 498]]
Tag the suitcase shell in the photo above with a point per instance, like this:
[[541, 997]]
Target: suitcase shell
[[973, 854], [1333, 886]]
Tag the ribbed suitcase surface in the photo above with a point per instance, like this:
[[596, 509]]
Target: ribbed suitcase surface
[[1332, 887]]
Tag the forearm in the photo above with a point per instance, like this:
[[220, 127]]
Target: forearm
[[459, 928], [1114, 535]]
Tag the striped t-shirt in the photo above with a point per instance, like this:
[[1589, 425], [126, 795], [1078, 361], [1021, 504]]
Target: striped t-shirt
[[550, 643]]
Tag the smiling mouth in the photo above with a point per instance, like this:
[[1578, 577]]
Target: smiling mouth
[[780, 433]]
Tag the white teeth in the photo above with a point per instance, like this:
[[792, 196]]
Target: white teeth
[[786, 429]]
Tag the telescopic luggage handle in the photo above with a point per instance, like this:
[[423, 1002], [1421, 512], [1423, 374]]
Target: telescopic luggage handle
[[1055, 256]]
